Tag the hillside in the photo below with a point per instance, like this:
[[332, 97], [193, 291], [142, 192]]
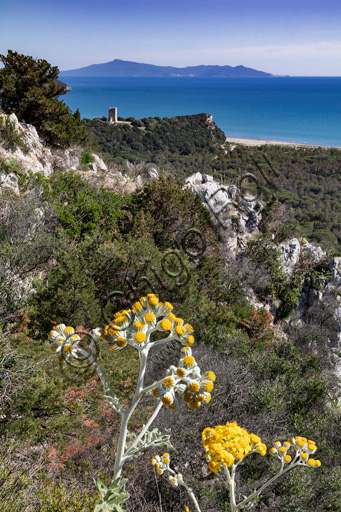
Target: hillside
[[126, 68], [305, 180], [263, 306], [144, 305]]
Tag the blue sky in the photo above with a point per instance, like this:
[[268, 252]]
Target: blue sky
[[301, 37]]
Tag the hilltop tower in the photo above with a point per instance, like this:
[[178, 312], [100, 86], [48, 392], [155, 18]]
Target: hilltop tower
[[113, 115]]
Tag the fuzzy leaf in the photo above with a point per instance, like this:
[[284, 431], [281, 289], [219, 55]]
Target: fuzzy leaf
[[150, 439], [113, 496]]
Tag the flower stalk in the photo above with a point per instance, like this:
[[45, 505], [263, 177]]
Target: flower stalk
[[135, 327]]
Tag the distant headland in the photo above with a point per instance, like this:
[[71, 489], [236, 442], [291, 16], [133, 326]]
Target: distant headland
[[126, 68]]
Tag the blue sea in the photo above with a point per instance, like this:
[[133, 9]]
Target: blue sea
[[305, 110]]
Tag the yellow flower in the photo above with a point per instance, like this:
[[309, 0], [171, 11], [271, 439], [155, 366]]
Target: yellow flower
[[190, 340], [189, 361], [208, 386], [169, 382], [139, 325], [137, 306], [193, 387], [168, 305], [140, 337], [180, 329], [166, 324], [188, 398], [287, 458], [68, 349], [181, 372], [189, 328], [121, 319], [150, 317], [153, 301], [167, 399], [121, 342]]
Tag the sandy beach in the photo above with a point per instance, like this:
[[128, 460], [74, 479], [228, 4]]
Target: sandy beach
[[255, 142]]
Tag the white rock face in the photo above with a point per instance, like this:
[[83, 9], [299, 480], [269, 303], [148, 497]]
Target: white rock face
[[9, 182], [41, 159], [237, 221], [147, 176], [97, 163], [291, 250], [66, 159], [151, 174], [138, 180], [235, 217]]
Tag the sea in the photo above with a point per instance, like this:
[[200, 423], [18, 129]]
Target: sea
[[304, 110]]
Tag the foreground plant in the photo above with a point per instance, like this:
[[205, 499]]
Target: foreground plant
[[135, 327], [227, 446]]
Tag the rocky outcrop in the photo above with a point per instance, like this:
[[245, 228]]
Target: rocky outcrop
[[33, 156], [237, 221], [236, 218], [9, 182]]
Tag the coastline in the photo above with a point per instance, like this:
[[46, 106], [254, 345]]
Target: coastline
[[255, 142]]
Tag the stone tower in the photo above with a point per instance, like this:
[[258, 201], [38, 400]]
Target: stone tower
[[113, 115]]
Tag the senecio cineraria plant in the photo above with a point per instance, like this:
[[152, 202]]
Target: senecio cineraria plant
[[226, 447], [134, 327]]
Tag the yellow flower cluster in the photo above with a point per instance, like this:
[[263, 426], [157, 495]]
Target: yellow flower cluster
[[228, 443], [134, 326], [186, 379], [303, 448], [161, 463], [64, 342]]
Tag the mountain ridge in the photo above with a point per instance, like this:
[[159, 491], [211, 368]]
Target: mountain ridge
[[119, 67]]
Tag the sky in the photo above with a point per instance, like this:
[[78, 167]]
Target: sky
[[282, 37]]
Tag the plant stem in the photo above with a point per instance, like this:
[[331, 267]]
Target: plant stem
[[257, 492], [126, 415], [107, 389], [230, 480], [145, 428]]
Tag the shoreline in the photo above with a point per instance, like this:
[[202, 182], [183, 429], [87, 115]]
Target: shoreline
[[255, 142]]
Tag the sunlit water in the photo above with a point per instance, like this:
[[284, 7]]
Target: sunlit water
[[292, 109]]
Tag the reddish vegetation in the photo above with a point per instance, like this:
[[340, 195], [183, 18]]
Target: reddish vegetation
[[260, 327]]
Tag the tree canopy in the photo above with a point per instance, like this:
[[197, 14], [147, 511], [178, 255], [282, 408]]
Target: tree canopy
[[30, 88]]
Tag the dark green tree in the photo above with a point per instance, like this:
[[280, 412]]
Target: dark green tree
[[30, 88]]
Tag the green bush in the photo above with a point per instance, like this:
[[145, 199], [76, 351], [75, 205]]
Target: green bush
[[30, 88]]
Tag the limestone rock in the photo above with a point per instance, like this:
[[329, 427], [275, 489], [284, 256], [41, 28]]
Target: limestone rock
[[97, 163], [9, 182], [151, 174], [236, 218]]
